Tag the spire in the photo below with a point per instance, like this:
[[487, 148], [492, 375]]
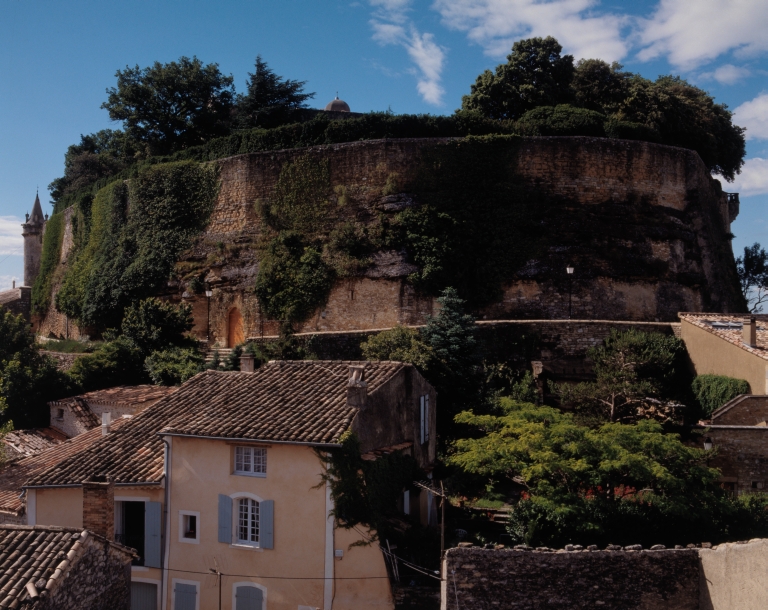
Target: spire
[[37, 211]]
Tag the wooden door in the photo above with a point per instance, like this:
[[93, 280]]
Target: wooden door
[[235, 332]]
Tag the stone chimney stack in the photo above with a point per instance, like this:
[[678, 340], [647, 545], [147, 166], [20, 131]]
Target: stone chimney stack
[[106, 420], [32, 231], [357, 389], [749, 331], [99, 506], [247, 363]]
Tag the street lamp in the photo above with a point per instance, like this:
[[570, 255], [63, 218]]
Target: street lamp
[[208, 295], [569, 270], [707, 444]]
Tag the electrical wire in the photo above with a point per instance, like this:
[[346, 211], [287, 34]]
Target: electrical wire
[[275, 577]]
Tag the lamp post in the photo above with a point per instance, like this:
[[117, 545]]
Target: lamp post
[[569, 270], [208, 295], [707, 444]]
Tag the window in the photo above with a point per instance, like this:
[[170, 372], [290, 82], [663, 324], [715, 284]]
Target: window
[[144, 595], [251, 461], [248, 521], [245, 519], [59, 413], [189, 523], [137, 525], [757, 484], [424, 412]]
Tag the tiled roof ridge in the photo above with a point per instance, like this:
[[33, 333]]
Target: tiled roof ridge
[[697, 320]]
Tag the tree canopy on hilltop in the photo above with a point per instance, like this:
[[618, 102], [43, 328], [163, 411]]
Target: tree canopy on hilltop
[[671, 110]]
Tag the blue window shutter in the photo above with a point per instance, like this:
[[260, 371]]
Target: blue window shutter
[[267, 524], [185, 597], [426, 417], [421, 409], [225, 519], [249, 598], [153, 547]]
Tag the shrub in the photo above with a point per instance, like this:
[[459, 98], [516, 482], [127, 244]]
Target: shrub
[[713, 391], [563, 120], [173, 366], [154, 325], [117, 362], [400, 344]]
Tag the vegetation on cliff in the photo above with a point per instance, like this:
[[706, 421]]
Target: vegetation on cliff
[[129, 237]]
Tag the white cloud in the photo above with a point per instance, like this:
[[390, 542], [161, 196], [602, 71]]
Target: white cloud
[[496, 24], [11, 241], [691, 33], [754, 116], [753, 179], [391, 26], [727, 74]]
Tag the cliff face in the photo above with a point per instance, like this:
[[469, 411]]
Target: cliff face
[[644, 225]]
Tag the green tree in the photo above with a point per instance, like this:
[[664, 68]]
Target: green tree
[[28, 378], [637, 375], [535, 75], [172, 106], [270, 100], [599, 86], [615, 483], [753, 276], [400, 344], [153, 325], [173, 366], [116, 362]]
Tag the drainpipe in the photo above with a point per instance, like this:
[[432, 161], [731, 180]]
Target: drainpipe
[[167, 539]]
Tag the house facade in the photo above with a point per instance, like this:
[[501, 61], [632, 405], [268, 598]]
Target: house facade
[[219, 486]]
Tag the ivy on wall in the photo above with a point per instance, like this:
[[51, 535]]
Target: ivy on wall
[[52, 242], [128, 238]]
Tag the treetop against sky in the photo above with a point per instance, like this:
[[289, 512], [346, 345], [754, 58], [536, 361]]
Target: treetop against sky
[[403, 55]]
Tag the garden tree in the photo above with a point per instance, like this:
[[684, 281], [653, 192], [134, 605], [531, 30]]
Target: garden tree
[[173, 366], [28, 378], [270, 100], [153, 325], [638, 375], [445, 351], [753, 276], [535, 75], [617, 483], [172, 106]]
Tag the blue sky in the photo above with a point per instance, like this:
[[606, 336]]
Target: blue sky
[[57, 59]]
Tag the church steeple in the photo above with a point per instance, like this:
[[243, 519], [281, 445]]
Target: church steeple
[[32, 231]]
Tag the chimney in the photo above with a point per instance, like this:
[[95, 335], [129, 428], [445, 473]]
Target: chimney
[[749, 331], [247, 363], [99, 506], [357, 389], [106, 419], [14, 283]]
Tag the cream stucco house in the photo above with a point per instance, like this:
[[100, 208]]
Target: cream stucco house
[[219, 486]]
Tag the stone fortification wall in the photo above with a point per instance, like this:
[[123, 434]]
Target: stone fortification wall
[[723, 577], [532, 580], [645, 226]]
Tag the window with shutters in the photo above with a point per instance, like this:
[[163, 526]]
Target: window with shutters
[[251, 461], [424, 416], [248, 596], [246, 520], [185, 595], [138, 525]]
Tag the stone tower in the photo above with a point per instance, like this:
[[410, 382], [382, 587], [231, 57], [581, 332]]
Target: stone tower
[[32, 230]]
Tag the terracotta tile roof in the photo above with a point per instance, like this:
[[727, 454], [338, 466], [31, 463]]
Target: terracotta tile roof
[[9, 296], [121, 395], [83, 413], [40, 555], [728, 328], [24, 443], [14, 475], [283, 401]]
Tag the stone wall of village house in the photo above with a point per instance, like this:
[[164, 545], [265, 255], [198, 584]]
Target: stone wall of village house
[[99, 580], [747, 411], [741, 456], [644, 224], [531, 580]]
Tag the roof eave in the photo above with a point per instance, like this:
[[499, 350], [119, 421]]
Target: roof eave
[[249, 440]]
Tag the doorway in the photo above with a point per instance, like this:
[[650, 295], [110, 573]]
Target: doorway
[[235, 331]]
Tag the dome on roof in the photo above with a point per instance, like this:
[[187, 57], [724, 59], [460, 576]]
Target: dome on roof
[[337, 105]]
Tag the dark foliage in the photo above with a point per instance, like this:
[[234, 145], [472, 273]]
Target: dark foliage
[[753, 276], [713, 391]]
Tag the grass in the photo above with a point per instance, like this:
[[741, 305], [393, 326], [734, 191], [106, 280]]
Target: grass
[[69, 346]]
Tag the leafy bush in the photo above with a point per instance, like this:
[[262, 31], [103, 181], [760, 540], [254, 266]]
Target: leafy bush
[[400, 344], [154, 325], [563, 120], [69, 346], [713, 391], [117, 362], [626, 130], [173, 366], [293, 280]]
